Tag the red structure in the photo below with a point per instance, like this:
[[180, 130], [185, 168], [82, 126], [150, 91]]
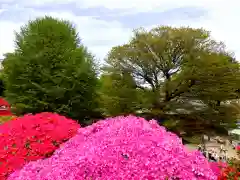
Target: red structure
[[5, 108]]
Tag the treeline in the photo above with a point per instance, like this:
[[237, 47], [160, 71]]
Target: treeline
[[180, 76]]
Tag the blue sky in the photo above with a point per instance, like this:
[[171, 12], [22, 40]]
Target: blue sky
[[106, 23]]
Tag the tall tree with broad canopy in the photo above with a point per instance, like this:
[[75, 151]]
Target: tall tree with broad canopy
[[50, 70], [190, 76]]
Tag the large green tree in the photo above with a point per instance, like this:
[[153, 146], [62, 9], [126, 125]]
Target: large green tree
[[190, 77], [50, 70]]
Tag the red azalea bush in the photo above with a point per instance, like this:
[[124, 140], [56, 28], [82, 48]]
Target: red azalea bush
[[229, 173], [226, 171], [32, 137], [5, 108]]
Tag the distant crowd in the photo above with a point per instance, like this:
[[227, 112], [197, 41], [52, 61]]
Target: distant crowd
[[214, 154]]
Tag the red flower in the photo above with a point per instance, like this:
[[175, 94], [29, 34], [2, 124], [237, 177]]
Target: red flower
[[32, 137], [229, 173]]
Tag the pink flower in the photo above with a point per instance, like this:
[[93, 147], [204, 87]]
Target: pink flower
[[217, 167], [128, 148]]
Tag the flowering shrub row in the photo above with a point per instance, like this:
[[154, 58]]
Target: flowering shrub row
[[120, 148], [32, 137]]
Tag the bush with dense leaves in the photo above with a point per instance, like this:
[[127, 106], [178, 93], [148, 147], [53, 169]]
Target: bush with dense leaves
[[32, 137], [120, 148]]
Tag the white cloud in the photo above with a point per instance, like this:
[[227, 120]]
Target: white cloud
[[134, 5], [7, 36], [90, 30], [94, 32], [101, 35]]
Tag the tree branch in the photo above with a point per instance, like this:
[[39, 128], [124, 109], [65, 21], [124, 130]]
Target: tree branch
[[177, 93]]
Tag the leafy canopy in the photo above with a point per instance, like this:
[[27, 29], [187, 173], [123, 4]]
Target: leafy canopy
[[50, 70], [118, 94], [188, 76]]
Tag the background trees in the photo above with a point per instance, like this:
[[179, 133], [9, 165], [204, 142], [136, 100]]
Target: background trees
[[188, 76], [176, 74], [118, 94], [50, 70]]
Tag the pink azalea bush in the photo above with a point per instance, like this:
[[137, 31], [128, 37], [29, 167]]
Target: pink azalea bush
[[217, 167], [128, 148], [238, 150]]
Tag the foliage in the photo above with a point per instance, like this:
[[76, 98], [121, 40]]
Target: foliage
[[193, 139], [4, 119], [32, 137], [50, 70], [124, 147], [187, 75], [118, 94]]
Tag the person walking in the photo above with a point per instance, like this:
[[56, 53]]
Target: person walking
[[211, 156], [204, 152], [221, 149], [199, 148], [216, 156]]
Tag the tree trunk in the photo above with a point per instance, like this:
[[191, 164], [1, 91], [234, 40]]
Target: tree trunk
[[167, 94]]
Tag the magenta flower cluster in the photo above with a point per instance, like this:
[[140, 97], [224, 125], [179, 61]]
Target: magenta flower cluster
[[120, 148]]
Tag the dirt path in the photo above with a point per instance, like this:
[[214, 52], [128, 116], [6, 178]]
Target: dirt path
[[230, 152], [213, 145]]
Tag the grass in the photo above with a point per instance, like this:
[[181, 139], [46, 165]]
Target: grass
[[4, 119], [193, 139]]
